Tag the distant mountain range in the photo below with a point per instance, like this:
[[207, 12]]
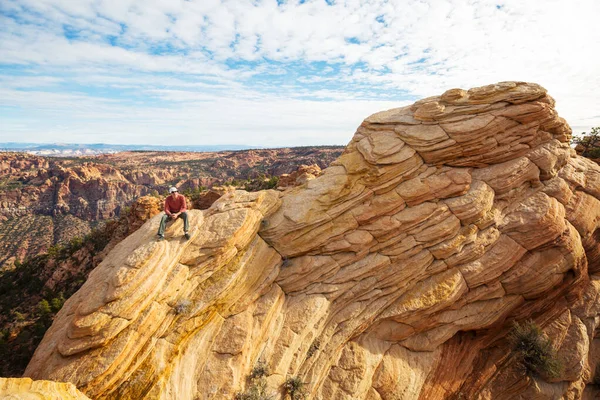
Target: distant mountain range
[[75, 149]]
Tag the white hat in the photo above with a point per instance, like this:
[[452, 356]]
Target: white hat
[[173, 189]]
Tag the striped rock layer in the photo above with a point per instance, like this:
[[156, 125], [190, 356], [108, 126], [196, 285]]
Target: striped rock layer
[[396, 274], [27, 389]]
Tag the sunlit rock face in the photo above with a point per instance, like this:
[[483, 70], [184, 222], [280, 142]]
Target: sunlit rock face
[[27, 389], [396, 274]]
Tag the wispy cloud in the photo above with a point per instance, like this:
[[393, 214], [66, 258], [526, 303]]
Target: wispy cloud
[[270, 72]]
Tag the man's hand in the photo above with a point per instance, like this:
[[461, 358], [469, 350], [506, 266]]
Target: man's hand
[[173, 216]]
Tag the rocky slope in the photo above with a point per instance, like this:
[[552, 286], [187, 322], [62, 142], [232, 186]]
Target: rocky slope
[[397, 274], [46, 201]]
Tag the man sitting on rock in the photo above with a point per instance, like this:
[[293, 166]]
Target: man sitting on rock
[[175, 207]]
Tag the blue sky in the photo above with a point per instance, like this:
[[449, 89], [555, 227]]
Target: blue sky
[[274, 73]]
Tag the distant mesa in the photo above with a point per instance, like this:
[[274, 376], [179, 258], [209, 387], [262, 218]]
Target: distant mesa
[[74, 149]]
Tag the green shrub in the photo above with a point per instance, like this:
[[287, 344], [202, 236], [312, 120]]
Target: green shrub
[[75, 244], [593, 153], [19, 316], [57, 303], [55, 251], [100, 237], [261, 183], [194, 194], [535, 350], [294, 387], [44, 308], [272, 182]]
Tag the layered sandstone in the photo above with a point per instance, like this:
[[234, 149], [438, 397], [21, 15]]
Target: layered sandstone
[[26, 389], [394, 275], [303, 174]]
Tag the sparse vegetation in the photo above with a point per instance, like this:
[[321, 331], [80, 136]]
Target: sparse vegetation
[[28, 307], [256, 391], [256, 384], [8, 185], [588, 144], [194, 194], [57, 303], [535, 350], [294, 387], [262, 182], [260, 370], [44, 308]]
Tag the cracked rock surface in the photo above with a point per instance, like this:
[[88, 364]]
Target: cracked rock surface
[[396, 274]]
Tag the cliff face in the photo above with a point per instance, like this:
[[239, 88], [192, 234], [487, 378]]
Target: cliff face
[[43, 202], [396, 274]]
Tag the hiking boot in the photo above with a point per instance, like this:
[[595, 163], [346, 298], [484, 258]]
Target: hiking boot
[[159, 238], [187, 236]]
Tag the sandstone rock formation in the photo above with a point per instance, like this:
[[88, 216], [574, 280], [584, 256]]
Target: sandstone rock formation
[[394, 275], [303, 174], [26, 389]]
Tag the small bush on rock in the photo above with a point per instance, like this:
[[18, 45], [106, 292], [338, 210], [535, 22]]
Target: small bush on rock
[[256, 391], [260, 370], [535, 350], [257, 384], [294, 387]]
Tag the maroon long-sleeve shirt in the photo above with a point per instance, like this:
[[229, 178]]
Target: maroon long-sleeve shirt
[[175, 205]]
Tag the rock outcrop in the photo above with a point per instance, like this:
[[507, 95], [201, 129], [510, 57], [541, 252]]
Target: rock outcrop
[[303, 174], [394, 275], [26, 389]]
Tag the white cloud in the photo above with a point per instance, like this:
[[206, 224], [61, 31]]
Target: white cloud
[[266, 121], [181, 54]]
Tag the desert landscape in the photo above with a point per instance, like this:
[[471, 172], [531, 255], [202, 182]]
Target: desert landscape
[[59, 217], [449, 252], [45, 201], [299, 200]]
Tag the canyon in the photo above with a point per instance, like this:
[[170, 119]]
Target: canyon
[[45, 201], [399, 272]]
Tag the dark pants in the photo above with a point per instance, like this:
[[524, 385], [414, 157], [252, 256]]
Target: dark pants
[[166, 218]]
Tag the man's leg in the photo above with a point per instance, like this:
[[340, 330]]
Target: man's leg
[[186, 224], [163, 225]]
